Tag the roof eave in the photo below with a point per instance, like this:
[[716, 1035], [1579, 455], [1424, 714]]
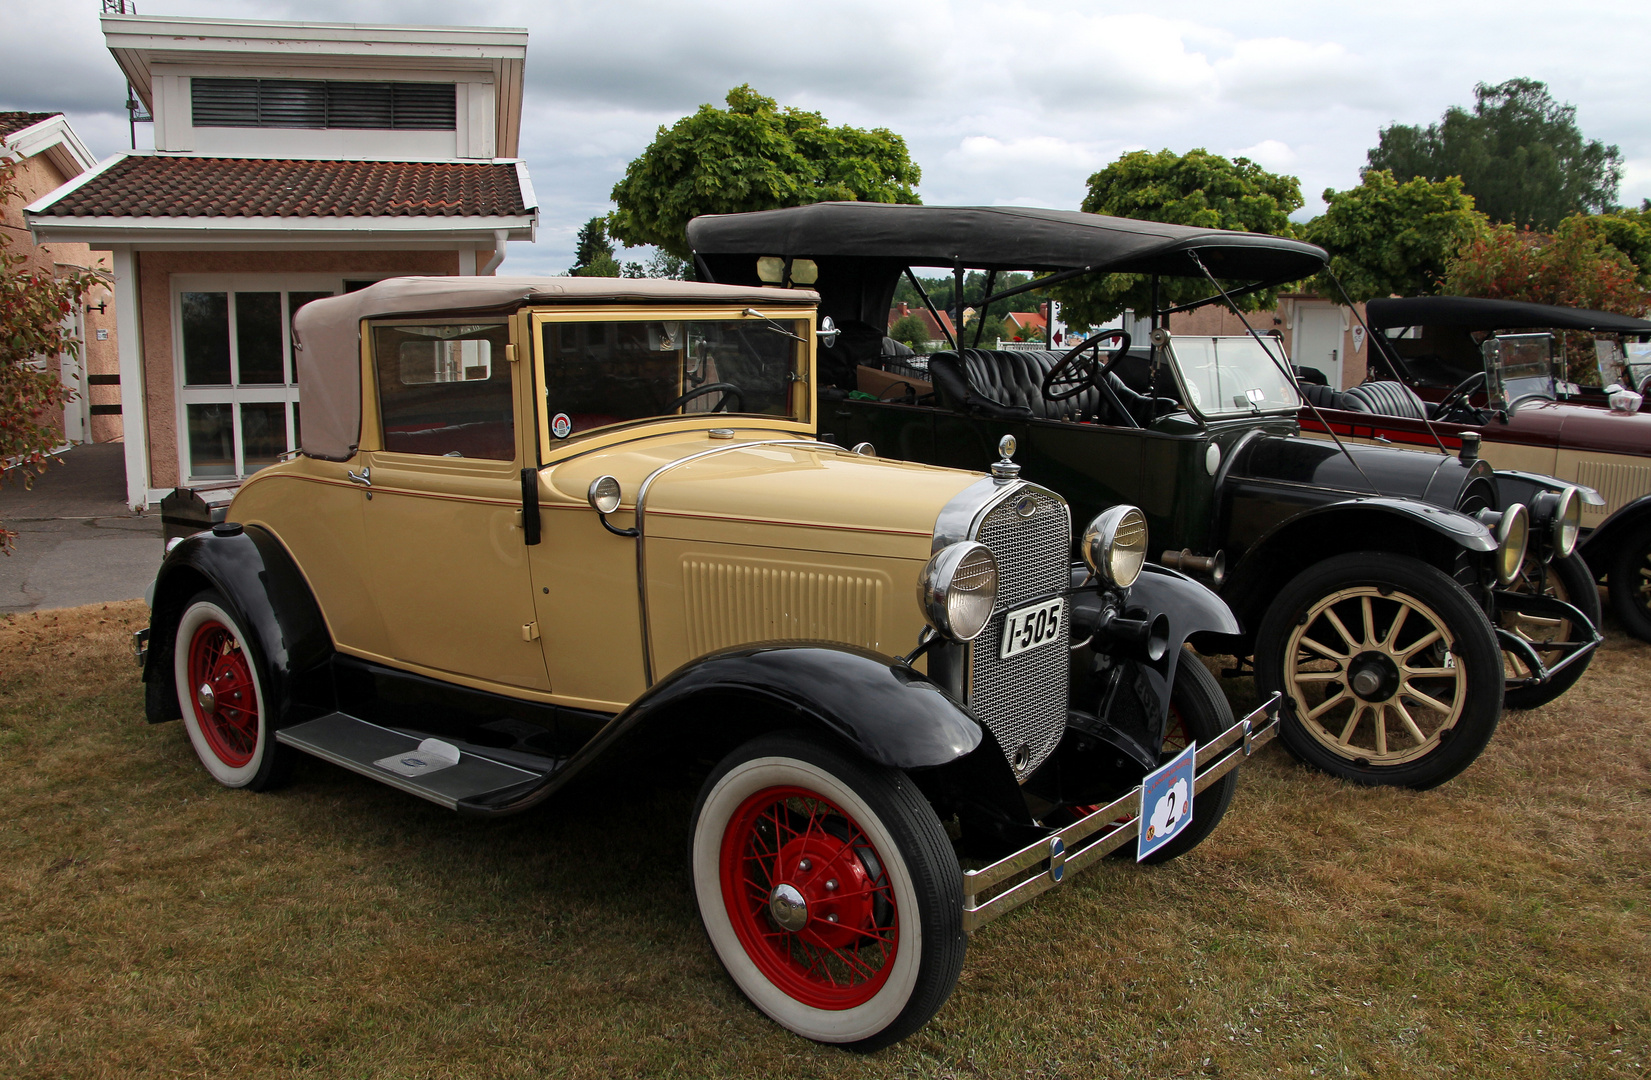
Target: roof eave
[[295, 232]]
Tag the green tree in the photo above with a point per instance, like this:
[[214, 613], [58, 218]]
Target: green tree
[[912, 331], [753, 155], [1629, 231], [594, 255], [1386, 238], [1519, 153], [1195, 188], [33, 307], [1573, 267]]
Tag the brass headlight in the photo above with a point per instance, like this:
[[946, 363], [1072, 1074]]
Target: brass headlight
[[1115, 545], [1512, 528], [1559, 513], [958, 588]]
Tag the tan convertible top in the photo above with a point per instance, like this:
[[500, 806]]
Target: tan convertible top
[[328, 332]]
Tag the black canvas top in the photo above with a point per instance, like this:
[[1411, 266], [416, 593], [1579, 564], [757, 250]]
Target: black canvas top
[[1473, 313], [1002, 238]]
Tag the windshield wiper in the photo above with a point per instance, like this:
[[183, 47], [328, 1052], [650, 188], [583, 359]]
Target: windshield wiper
[[777, 327]]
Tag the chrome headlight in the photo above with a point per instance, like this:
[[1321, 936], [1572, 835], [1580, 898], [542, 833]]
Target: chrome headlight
[[1114, 545], [1512, 528], [958, 588], [1559, 513]]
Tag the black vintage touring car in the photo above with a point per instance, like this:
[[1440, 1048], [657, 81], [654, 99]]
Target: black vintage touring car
[[1378, 589]]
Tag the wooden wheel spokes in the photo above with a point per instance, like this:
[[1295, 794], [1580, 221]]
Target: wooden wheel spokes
[[1539, 631], [1372, 676]]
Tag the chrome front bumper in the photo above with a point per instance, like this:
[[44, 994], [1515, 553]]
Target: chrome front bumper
[[1099, 833]]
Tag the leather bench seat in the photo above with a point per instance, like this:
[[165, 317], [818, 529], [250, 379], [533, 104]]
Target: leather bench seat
[[1384, 399], [1008, 385]]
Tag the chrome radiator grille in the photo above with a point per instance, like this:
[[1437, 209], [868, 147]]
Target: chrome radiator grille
[[1023, 699]]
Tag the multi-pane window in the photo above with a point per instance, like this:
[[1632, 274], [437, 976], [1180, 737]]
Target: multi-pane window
[[323, 103], [238, 377]]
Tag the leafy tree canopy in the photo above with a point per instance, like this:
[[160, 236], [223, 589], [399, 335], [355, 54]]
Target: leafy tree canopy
[[1391, 239], [1195, 188], [912, 331], [1519, 153], [1629, 231], [1573, 267], [34, 309], [943, 292], [753, 155]]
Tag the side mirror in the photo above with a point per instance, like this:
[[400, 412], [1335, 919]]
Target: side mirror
[[827, 333], [603, 497]]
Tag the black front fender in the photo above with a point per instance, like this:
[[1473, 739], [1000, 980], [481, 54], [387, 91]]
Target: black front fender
[[268, 596]]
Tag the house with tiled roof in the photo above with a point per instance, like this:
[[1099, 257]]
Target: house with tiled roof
[[292, 160], [44, 153]]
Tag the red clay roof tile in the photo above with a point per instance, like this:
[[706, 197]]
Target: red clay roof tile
[[13, 122], [155, 186]]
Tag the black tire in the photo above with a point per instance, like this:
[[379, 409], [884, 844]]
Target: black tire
[[1463, 682], [1630, 584], [876, 939], [223, 692], [1200, 711], [1567, 579]]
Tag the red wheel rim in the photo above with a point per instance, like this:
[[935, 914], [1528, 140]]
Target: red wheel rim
[[222, 693], [842, 952]]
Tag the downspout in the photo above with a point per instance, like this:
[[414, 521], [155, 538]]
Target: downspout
[[499, 237]]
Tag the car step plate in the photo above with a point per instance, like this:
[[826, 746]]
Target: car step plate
[[358, 746]]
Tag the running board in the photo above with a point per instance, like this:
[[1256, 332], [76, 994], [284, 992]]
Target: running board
[[356, 745]]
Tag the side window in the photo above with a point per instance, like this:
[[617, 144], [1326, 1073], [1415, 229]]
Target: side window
[[444, 389]]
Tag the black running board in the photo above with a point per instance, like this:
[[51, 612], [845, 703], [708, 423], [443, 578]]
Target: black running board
[[357, 745]]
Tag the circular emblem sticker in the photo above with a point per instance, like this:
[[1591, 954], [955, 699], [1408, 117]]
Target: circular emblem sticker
[[561, 425]]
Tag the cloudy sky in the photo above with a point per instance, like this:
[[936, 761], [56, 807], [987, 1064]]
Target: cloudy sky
[[999, 102]]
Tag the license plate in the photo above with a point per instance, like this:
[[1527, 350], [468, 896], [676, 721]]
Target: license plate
[[1028, 627]]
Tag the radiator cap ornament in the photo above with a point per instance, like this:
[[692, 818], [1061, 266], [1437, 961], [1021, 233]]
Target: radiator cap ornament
[[1004, 470]]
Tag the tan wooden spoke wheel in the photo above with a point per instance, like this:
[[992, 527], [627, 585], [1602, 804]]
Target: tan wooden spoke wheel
[[1536, 629], [1373, 676]]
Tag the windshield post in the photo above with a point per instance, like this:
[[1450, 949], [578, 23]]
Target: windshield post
[[957, 301]]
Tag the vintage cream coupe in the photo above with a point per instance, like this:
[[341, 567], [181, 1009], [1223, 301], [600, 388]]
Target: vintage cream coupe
[[535, 524]]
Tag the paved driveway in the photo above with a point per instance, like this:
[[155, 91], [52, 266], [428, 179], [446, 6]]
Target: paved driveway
[[77, 542]]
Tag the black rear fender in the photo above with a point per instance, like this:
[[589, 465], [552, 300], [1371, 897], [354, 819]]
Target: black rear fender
[[1432, 534], [271, 600]]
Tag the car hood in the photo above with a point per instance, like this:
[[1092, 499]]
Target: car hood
[[765, 488], [1414, 474], [1574, 427]]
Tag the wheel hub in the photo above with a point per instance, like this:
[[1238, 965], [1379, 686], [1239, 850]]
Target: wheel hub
[[206, 699], [787, 907], [823, 888], [1373, 676]]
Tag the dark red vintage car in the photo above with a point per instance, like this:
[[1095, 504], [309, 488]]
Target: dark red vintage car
[[1445, 367]]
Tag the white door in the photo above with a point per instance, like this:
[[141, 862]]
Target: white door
[[1318, 342]]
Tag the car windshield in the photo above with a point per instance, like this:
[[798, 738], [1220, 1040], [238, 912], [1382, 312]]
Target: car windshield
[[1519, 366], [1225, 376], [602, 373]]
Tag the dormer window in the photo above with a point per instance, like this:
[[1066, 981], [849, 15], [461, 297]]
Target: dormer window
[[317, 103]]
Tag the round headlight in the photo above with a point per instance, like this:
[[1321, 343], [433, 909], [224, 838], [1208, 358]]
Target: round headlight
[[1560, 514], [1115, 545], [1512, 528], [958, 588]]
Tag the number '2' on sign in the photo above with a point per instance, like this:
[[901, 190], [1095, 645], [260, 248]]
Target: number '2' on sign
[[1166, 801]]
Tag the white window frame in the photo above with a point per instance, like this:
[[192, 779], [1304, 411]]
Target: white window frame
[[234, 393]]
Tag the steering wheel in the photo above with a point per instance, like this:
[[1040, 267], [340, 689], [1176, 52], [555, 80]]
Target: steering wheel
[[1076, 373], [1454, 406], [726, 389]]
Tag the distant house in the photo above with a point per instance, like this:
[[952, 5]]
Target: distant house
[[1024, 323], [938, 330], [292, 160], [45, 154]]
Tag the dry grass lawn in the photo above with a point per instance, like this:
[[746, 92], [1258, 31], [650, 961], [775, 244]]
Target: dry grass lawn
[[154, 924]]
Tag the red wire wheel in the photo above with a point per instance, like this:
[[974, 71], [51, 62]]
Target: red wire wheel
[[224, 699], [809, 900]]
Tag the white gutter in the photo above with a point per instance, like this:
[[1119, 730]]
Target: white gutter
[[499, 238]]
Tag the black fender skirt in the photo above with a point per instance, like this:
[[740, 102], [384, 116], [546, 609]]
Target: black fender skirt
[[1599, 550]]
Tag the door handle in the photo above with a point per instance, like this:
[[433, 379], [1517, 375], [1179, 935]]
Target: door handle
[[364, 477]]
